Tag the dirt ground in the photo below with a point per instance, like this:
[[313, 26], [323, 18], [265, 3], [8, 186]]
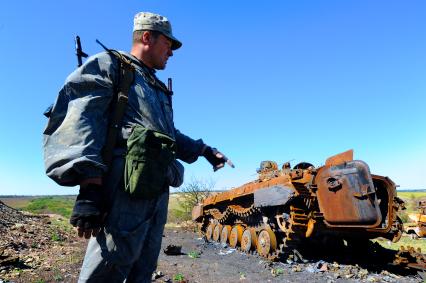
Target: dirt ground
[[199, 262], [39, 249], [212, 262]]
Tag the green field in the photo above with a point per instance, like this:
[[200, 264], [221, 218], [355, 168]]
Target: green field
[[404, 241], [411, 199], [56, 205], [177, 212], [61, 205], [411, 195]]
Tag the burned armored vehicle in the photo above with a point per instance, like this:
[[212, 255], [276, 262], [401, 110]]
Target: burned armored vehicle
[[283, 208]]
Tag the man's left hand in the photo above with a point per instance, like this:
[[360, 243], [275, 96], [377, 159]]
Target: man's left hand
[[87, 213]]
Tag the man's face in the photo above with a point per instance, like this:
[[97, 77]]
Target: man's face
[[161, 50]]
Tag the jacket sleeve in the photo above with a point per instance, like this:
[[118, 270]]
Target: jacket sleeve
[[76, 130], [188, 149]]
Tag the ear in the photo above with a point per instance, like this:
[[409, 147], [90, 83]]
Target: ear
[[146, 37]]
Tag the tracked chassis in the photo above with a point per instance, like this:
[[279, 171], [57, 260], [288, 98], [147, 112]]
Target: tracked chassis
[[274, 214]]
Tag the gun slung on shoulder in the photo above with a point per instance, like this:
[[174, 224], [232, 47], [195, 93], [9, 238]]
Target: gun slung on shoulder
[[79, 51]]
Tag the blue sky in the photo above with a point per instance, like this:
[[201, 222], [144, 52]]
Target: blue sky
[[269, 80]]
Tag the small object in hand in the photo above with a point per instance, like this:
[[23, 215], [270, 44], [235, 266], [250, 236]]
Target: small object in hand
[[216, 158], [222, 156], [173, 250]]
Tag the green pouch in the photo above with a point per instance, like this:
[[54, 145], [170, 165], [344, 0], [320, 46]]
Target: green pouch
[[149, 154]]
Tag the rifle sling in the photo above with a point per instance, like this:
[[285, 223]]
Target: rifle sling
[[126, 80]]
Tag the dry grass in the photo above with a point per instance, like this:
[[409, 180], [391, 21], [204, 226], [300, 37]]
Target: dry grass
[[17, 202], [411, 195]]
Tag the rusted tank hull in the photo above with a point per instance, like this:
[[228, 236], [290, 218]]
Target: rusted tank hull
[[417, 227], [285, 207]]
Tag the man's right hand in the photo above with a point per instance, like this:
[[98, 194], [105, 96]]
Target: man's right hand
[[87, 212], [216, 158]]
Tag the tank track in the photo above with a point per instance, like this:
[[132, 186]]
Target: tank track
[[411, 258], [232, 210], [288, 231], [295, 229]]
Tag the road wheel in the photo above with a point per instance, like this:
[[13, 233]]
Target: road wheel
[[248, 240], [266, 242], [209, 231], [216, 232], [235, 236], [226, 230]]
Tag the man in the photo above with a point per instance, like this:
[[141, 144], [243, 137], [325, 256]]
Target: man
[[127, 238]]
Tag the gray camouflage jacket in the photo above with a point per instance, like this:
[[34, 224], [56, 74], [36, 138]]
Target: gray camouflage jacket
[[77, 128]]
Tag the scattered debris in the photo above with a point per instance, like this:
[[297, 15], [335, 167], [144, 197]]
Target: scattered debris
[[173, 250], [157, 274], [296, 268], [321, 266], [297, 256], [230, 251]]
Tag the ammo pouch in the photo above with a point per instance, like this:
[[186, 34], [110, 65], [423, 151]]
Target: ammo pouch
[[149, 154]]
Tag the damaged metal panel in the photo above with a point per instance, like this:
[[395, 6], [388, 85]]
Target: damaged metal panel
[[272, 196], [346, 195]]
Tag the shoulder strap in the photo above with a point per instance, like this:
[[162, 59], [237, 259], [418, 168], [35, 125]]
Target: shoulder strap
[[126, 78]]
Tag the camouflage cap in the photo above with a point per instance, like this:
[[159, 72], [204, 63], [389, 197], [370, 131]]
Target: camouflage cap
[[150, 21]]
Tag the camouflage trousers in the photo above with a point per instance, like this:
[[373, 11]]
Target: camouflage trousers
[[127, 249]]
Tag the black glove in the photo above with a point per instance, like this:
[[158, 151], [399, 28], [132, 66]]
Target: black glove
[[87, 212], [215, 157]]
